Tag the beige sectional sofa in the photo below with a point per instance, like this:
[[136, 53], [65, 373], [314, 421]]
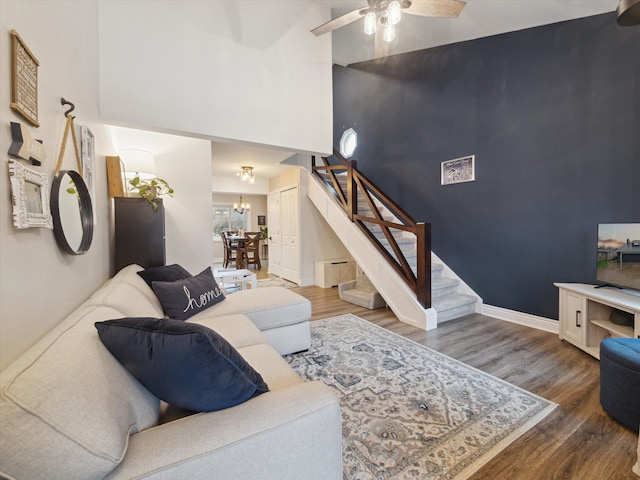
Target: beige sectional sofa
[[70, 410]]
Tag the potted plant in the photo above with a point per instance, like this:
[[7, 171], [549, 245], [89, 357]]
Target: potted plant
[[151, 190]]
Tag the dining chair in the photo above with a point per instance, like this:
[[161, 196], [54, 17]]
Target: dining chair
[[249, 251], [230, 250]]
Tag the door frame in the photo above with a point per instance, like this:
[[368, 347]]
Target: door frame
[[277, 269]]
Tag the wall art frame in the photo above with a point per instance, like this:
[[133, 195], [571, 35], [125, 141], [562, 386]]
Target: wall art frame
[[88, 154], [24, 80], [29, 197], [458, 170], [262, 220]]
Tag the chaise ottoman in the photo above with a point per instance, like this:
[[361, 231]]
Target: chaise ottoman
[[282, 315]]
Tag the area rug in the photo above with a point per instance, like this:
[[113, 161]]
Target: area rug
[[276, 282], [409, 412]]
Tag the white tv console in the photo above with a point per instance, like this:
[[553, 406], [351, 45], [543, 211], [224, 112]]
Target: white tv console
[[584, 315]]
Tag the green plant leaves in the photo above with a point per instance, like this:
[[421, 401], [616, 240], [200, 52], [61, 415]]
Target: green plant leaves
[[152, 189]]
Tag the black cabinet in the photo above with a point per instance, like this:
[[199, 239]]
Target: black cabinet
[[139, 233]]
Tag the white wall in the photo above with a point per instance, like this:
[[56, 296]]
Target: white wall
[[319, 242], [39, 284], [317, 239], [236, 186], [219, 70], [188, 224], [185, 163], [207, 68]]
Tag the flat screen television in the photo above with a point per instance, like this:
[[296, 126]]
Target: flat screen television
[[618, 258]]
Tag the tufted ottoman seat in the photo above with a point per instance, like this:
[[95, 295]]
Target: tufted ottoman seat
[[620, 380]]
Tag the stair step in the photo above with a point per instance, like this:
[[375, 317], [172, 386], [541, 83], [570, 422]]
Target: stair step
[[385, 216], [454, 306], [407, 245], [377, 231], [363, 207], [442, 286]]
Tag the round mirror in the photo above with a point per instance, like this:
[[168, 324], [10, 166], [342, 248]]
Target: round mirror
[[72, 212]]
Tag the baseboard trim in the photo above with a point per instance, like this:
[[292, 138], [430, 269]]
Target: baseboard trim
[[526, 319]]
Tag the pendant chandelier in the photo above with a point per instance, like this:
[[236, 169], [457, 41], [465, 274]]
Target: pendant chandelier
[[247, 175], [242, 207]]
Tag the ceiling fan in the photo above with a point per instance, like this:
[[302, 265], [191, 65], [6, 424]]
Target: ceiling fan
[[388, 13]]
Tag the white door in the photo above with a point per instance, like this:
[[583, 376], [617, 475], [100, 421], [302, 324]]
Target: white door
[[275, 245], [289, 225]]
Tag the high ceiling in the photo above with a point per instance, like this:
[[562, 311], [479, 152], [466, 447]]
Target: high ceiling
[[480, 18]]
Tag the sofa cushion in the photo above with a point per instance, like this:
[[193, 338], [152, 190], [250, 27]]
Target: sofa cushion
[[274, 369], [236, 329], [130, 302], [185, 364], [268, 307], [164, 273], [68, 398], [128, 293], [184, 298]]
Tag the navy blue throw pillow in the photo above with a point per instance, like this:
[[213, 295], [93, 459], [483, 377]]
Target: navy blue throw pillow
[[185, 364], [184, 298], [165, 273]]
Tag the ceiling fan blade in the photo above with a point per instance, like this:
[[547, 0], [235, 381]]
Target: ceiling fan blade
[[338, 22], [435, 8]]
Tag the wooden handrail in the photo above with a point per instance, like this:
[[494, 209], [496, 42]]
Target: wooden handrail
[[420, 282]]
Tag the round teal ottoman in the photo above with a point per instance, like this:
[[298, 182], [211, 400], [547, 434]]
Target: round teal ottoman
[[620, 380]]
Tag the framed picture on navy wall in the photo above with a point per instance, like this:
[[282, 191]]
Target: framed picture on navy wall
[[458, 170]]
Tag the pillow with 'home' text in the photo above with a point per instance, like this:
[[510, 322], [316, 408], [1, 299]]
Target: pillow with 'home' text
[[185, 364], [184, 298]]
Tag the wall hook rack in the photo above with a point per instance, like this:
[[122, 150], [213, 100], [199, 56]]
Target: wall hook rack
[[67, 102], [69, 127]]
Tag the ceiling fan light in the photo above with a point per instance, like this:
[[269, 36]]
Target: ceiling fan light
[[370, 20], [389, 33], [394, 13]]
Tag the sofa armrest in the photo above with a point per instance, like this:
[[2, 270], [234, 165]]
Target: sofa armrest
[[346, 286], [291, 433]]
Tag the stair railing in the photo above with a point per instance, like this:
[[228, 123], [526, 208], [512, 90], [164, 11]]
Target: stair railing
[[356, 182]]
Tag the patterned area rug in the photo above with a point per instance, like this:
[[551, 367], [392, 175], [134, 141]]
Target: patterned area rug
[[409, 412], [276, 282]]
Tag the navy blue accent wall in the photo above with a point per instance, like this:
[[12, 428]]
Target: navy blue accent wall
[[552, 115]]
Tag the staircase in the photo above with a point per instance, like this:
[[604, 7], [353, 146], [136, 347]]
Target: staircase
[[450, 298], [447, 295]]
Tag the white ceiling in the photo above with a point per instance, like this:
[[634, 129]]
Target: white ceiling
[[229, 157], [479, 18]]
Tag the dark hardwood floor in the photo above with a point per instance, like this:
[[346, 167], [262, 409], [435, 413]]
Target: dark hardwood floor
[[578, 440]]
